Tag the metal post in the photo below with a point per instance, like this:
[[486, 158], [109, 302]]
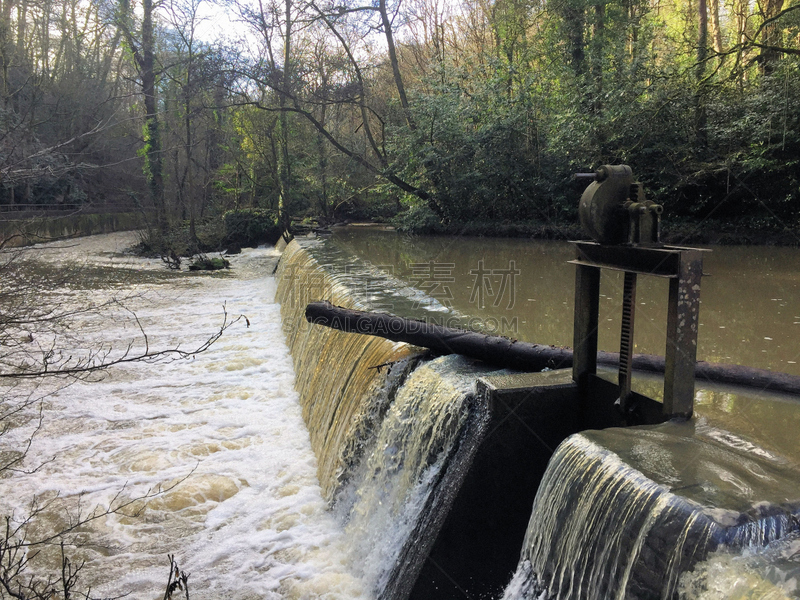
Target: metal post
[[682, 325], [587, 308]]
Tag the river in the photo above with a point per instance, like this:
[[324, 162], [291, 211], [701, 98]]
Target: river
[[750, 298], [246, 518]]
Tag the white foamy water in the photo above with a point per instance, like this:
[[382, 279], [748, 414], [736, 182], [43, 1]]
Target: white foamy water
[[768, 573], [245, 516]]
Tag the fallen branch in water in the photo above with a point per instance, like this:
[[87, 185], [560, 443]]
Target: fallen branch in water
[[492, 349], [178, 580], [524, 356]]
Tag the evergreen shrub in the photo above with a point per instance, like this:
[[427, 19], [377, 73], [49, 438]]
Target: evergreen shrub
[[250, 227]]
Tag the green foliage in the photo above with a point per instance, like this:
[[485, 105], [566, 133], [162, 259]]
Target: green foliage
[[476, 154], [251, 227], [204, 263], [151, 133], [490, 151], [418, 219]]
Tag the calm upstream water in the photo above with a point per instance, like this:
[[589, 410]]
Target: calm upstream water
[[750, 311]]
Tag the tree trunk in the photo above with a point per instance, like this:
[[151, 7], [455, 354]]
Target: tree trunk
[[398, 79], [284, 176], [596, 105], [716, 27], [322, 157], [770, 37], [700, 116], [507, 353], [154, 164], [6, 48], [574, 22], [494, 350]]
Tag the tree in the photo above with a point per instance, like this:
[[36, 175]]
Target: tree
[[193, 95], [293, 94], [60, 115], [143, 53]]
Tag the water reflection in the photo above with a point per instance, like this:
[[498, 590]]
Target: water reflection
[[750, 311]]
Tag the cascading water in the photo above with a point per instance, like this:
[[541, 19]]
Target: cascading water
[[768, 573], [391, 502], [626, 513], [392, 446], [620, 513], [591, 517], [337, 374]]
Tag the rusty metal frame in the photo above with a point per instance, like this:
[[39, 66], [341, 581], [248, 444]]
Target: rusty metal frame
[[684, 268]]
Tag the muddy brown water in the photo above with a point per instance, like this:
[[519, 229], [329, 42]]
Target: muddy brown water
[[750, 312]]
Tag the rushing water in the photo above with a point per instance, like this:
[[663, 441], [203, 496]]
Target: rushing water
[[768, 573], [230, 454], [622, 513], [246, 518], [750, 311], [392, 432], [738, 457]]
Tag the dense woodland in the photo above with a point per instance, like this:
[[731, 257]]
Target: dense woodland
[[435, 113]]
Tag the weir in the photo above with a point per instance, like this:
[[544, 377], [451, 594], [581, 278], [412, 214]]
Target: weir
[[341, 391], [394, 434], [434, 463], [602, 528]]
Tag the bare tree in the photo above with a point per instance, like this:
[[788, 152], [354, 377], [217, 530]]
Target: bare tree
[[143, 51]]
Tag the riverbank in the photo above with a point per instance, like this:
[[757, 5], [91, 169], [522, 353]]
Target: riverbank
[[709, 232], [25, 231]]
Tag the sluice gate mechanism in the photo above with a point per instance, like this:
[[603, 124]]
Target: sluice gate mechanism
[[626, 229]]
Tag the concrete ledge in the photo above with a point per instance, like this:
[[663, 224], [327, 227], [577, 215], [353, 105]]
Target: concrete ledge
[[479, 545]]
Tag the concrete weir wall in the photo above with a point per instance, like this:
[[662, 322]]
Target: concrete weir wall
[[14, 233], [528, 416], [515, 478], [618, 512]]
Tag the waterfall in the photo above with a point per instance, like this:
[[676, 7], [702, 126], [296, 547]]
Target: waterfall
[[601, 528], [619, 513], [393, 503], [591, 518], [394, 434], [341, 389]]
